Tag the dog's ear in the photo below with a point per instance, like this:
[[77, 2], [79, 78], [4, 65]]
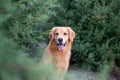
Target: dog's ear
[[71, 34], [51, 34]]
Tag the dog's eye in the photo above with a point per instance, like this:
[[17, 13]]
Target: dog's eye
[[56, 33], [65, 33]]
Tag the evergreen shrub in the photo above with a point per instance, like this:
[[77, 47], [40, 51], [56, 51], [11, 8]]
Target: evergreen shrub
[[23, 25]]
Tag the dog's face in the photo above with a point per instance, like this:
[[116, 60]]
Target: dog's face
[[61, 36]]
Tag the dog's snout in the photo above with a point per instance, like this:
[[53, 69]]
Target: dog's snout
[[60, 39]]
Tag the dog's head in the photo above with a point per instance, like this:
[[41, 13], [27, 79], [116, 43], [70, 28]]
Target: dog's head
[[61, 36]]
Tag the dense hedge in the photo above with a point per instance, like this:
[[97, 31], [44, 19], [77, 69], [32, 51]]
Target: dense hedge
[[28, 20]]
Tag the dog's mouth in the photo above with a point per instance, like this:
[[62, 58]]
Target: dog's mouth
[[61, 46]]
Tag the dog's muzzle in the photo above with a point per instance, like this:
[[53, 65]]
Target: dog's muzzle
[[61, 44]]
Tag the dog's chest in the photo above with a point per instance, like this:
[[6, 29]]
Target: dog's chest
[[61, 58]]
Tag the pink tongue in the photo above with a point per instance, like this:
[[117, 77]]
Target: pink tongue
[[60, 47]]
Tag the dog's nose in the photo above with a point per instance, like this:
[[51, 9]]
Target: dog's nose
[[60, 39]]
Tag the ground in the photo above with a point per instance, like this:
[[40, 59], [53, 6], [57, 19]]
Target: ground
[[80, 74]]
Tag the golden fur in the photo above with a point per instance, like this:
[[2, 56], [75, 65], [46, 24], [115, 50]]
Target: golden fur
[[60, 58]]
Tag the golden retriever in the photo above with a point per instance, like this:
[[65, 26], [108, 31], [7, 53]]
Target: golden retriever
[[59, 49]]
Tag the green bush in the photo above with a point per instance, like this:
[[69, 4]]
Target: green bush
[[17, 65], [27, 21], [96, 23], [23, 25]]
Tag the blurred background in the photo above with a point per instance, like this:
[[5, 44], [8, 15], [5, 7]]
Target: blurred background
[[24, 28]]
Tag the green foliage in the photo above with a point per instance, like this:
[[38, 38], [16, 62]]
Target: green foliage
[[22, 24], [28, 21], [6, 9], [104, 73], [17, 65], [96, 23]]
